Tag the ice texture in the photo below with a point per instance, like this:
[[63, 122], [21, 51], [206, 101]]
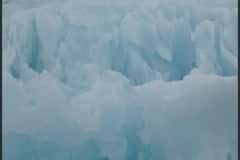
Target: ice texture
[[120, 80]]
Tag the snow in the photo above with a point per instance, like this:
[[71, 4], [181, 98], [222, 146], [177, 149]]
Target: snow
[[125, 80]]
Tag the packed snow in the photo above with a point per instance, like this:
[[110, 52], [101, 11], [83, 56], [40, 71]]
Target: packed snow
[[120, 80]]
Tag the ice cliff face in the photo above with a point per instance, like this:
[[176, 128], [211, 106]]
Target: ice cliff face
[[119, 80]]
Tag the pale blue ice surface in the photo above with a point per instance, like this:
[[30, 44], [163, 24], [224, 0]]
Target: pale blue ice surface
[[111, 80]]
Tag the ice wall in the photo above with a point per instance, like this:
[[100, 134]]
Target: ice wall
[[119, 80]]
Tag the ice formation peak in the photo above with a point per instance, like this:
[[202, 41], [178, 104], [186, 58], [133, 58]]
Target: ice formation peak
[[143, 44]]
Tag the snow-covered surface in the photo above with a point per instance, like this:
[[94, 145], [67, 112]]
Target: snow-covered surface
[[120, 80]]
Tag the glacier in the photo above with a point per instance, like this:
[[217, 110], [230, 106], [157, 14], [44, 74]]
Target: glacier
[[120, 80]]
